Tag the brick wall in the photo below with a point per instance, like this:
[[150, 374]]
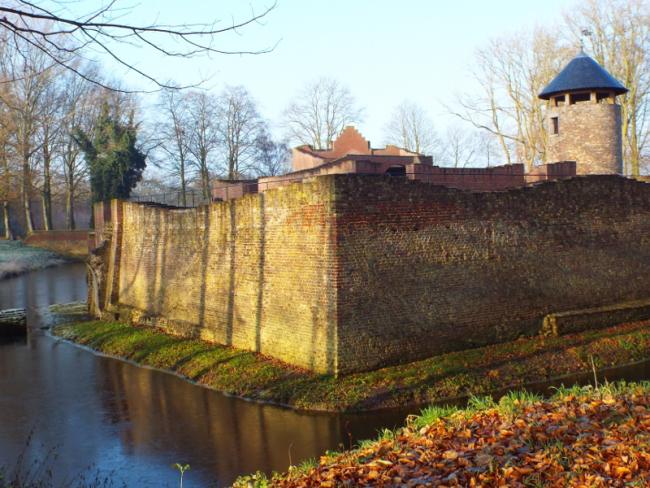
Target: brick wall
[[255, 273], [478, 179], [424, 270], [350, 141], [229, 189], [345, 273], [590, 134], [551, 171], [70, 242]]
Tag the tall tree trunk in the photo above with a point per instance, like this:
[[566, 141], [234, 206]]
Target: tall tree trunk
[[69, 204], [6, 185], [7, 223], [25, 193], [205, 176], [46, 225], [92, 214], [232, 167], [47, 185], [183, 183], [205, 183]]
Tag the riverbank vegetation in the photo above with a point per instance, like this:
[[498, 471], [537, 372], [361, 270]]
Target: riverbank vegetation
[[38, 471], [449, 376], [581, 436], [17, 258]]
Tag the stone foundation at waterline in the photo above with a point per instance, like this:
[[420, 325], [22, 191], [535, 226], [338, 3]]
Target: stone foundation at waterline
[[347, 273]]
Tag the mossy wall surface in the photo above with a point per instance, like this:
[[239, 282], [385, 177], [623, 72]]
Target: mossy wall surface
[[254, 273], [347, 272]]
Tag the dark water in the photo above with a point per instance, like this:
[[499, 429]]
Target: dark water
[[101, 414]]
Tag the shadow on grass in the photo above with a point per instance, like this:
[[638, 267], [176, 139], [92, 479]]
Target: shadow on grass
[[455, 374]]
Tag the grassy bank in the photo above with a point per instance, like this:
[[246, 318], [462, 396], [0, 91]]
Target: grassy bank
[[453, 375], [580, 437], [17, 258]]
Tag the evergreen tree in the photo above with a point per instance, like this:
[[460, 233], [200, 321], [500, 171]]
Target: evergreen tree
[[114, 162]]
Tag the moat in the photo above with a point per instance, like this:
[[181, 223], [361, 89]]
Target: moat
[[98, 414], [102, 414]]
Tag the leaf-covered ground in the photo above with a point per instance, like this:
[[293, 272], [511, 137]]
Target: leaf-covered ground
[[453, 375], [16, 258], [581, 437]]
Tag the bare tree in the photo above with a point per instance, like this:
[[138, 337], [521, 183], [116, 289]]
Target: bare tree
[[619, 39], [7, 174], [30, 75], [239, 128], [49, 132], [202, 127], [78, 109], [487, 150], [272, 157], [7, 159], [510, 72], [320, 112], [460, 146], [411, 128], [174, 136], [62, 38]]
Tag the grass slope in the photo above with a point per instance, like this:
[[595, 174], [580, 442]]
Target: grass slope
[[453, 375], [581, 437]]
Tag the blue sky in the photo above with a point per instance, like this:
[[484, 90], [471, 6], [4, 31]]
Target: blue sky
[[383, 50]]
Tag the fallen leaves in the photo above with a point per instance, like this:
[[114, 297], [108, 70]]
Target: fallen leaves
[[579, 440]]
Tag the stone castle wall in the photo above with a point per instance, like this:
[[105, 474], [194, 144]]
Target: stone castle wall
[[254, 273], [590, 134], [348, 273], [426, 270]]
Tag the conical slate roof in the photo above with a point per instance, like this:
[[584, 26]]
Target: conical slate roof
[[582, 73]]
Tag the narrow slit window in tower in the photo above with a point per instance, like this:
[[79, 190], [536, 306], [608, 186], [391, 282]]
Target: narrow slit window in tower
[[555, 125]]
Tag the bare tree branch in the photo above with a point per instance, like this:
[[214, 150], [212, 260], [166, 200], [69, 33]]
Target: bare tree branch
[[62, 37]]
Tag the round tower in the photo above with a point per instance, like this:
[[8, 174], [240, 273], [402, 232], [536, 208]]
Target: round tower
[[583, 118]]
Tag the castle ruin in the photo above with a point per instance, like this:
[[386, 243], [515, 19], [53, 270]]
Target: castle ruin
[[347, 268]]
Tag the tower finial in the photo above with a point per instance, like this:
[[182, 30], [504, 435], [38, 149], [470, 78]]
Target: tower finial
[[585, 32]]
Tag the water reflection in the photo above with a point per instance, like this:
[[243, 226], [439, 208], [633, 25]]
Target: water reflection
[[104, 414], [224, 436]]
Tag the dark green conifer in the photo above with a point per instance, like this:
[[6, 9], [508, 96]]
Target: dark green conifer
[[115, 164]]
